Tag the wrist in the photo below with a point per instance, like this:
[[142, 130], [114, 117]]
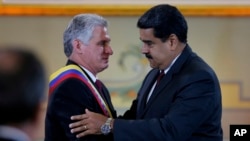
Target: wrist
[[106, 128]]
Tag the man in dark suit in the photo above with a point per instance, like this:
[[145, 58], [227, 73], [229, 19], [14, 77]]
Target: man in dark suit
[[72, 87], [185, 105], [22, 93]]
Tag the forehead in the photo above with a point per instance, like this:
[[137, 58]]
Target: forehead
[[146, 33]]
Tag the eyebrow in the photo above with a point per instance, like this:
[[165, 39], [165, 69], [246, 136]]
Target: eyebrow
[[104, 41], [147, 41]]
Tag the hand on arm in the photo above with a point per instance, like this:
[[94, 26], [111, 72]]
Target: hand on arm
[[88, 123]]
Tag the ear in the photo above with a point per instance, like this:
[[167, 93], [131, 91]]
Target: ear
[[77, 46], [173, 41]]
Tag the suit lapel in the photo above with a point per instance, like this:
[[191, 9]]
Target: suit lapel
[[145, 89], [106, 97], [164, 82]]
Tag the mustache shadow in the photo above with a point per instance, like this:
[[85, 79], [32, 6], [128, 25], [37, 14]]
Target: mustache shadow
[[148, 56]]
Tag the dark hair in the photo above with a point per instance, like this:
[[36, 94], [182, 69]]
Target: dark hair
[[22, 84], [165, 20]]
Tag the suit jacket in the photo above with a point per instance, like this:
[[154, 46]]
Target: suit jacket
[[186, 106], [72, 97]]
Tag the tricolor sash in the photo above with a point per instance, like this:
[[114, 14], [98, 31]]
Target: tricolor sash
[[74, 71]]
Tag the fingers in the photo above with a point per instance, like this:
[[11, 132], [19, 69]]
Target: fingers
[[77, 123], [79, 129], [87, 111], [79, 117], [81, 134], [86, 124], [82, 116], [84, 130], [89, 130], [85, 133]]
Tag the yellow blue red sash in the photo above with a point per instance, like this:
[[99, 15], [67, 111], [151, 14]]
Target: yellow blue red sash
[[73, 71]]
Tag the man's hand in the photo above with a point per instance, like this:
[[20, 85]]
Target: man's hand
[[87, 124]]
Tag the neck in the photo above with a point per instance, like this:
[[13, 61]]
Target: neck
[[81, 63]]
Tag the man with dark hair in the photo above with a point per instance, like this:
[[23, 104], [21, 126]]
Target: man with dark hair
[[183, 105], [22, 86]]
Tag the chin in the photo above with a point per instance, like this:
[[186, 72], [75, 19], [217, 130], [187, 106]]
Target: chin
[[105, 67], [152, 65]]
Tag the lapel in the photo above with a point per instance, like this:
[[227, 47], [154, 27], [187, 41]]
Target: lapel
[[105, 91], [166, 80], [69, 62], [107, 99], [145, 89]]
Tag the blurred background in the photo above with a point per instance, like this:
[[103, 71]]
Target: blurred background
[[219, 34]]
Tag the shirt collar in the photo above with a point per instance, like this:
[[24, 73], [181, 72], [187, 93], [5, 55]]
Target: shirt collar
[[168, 68], [92, 77]]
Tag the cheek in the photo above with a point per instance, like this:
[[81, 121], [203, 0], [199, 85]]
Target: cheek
[[95, 54], [160, 56], [156, 53]]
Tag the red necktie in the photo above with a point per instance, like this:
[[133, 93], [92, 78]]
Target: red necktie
[[99, 86], [160, 77]]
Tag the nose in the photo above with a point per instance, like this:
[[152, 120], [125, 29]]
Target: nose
[[144, 49], [108, 50]]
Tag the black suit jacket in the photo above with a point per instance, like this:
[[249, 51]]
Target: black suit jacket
[[186, 106], [72, 97]]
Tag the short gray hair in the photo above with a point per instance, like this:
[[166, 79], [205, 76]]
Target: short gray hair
[[81, 27]]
